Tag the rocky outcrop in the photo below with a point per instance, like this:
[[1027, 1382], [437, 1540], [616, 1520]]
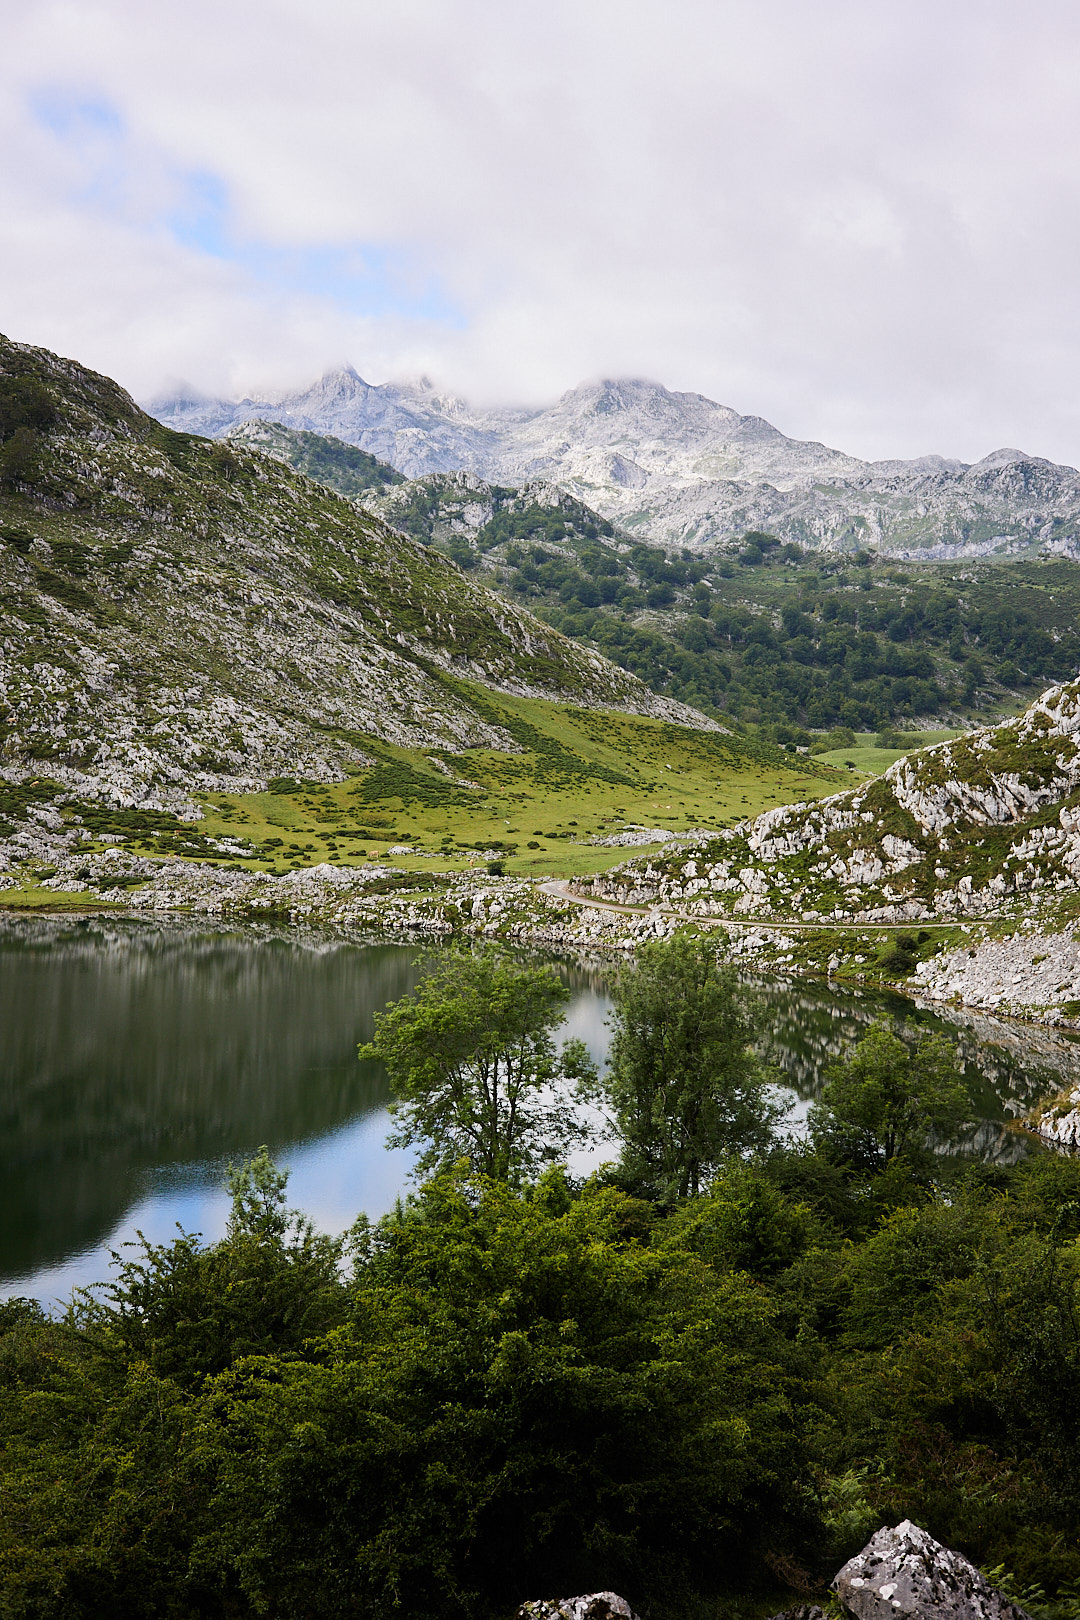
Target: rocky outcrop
[[593, 1606], [904, 1572], [967, 829], [1057, 1119], [901, 1574], [1026, 974]]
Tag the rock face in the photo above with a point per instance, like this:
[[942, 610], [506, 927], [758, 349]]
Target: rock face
[[681, 468], [962, 829], [904, 1571], [593, 1606], [1057, 1119]]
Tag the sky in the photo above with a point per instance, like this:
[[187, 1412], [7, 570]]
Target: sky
[[859, 220]]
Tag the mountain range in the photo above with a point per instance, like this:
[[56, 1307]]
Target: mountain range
[[679, 469]]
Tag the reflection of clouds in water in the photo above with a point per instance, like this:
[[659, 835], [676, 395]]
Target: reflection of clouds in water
[[332, 1180], [585, 1021], [196, 1209]]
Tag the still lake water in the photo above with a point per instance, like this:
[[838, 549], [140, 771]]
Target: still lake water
[[137, 1057]]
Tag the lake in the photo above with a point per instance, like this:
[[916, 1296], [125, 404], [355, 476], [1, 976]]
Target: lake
[[139, 1056]]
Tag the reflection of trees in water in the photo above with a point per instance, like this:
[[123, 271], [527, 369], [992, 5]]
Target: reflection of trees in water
[[1008, 1066], [129, 1045]]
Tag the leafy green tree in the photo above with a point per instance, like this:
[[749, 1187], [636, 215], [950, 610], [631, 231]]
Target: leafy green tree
[[890, 1102], [685, 1087], [257, 1189], [476, 1071]]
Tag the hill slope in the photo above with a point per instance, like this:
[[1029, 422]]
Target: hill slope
[[770, 634], [968, 828], [683, 470], [182, 616]]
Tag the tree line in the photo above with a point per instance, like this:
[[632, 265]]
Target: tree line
[[701, 1375]]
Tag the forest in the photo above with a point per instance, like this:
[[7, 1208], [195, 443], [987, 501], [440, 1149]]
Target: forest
[[700, 1376], [770, 634]]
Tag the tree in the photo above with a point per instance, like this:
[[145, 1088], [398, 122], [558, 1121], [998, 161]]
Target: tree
[[525, 1400], [890, 1102], [257, 1189], [685, 1088], [476, 1071]]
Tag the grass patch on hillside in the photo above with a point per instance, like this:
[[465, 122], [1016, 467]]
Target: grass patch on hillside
[[870, 760], [580, 774], [36, 898]]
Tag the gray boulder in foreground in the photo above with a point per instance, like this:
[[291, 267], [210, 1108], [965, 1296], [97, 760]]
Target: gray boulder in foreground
[[904, 1571], [593, 1606]]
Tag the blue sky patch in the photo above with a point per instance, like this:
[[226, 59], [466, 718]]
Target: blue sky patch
[[363, 278], [360, 278]]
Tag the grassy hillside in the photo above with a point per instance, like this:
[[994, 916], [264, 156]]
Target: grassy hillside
[[577, 777], [762, 633], [182, 616], [205, 655]]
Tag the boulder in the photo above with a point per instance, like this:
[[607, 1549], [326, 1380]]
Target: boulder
[[802, 1611], [593, 1606], [904, 1571]]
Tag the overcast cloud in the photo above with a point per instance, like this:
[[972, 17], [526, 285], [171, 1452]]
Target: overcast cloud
[[861, 220]]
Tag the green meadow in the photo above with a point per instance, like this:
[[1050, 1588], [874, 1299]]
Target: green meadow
[[578, 774]]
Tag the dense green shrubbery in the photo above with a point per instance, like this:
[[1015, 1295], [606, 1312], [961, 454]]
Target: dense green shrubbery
[[554, 1389], [509, 1390]]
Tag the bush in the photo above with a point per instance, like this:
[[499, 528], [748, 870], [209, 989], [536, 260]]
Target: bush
[[527, 1402], [839, 737]]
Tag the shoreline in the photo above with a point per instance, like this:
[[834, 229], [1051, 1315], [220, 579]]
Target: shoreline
[[548, 915], [952, 969]]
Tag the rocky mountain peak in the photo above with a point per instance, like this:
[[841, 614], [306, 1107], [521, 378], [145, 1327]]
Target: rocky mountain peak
[[682, 469], [1006, 457]]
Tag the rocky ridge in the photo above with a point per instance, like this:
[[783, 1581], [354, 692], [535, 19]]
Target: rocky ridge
[[683, 470], [983, 830], [961, 829], [182, 616]]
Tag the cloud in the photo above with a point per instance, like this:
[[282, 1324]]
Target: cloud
[[858, 220]]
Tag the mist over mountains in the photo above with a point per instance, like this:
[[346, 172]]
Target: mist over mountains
[[680, 469]]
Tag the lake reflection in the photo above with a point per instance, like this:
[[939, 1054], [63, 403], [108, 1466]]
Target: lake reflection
[[138, 1056]]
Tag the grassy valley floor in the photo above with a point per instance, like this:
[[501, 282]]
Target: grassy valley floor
[[581, 775]]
